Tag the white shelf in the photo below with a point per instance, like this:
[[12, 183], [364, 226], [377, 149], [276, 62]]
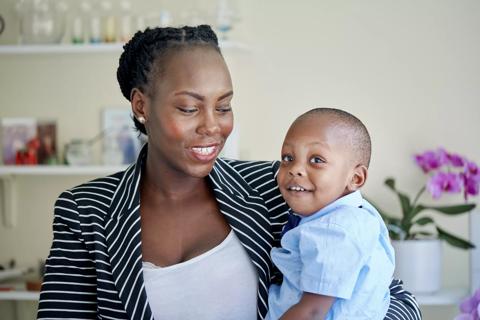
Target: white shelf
[[11, 273], [447, 296], [60, 48], [15, 295], [9, 174], [59, 170], [86, 48]]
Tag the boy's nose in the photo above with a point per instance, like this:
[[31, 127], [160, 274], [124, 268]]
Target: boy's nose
[[297, 171]]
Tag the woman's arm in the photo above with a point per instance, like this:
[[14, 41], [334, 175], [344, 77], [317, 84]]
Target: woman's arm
[[69, 284], [403, 305]]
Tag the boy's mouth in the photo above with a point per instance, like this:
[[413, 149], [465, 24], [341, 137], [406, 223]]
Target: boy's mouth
[[297, 188]]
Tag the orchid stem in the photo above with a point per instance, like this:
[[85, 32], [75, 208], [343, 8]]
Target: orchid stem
[[420, 192]]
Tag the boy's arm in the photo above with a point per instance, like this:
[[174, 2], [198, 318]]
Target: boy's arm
[[311, 306]]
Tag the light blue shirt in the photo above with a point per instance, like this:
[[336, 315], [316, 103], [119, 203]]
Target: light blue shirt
[[342, 251]]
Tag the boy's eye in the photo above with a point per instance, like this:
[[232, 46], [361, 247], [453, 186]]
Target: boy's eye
[[287, 158], [316, 160]]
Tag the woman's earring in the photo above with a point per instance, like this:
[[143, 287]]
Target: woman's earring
[[141, 120]]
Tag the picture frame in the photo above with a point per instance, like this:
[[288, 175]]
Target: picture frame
[[121, 140], [15, 134]]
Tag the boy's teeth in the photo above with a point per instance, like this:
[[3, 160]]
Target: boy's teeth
[[203, 150], [297, 188]]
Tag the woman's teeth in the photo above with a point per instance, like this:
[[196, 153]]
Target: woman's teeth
[[204, 151]]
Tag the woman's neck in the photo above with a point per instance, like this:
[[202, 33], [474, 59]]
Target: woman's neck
[[167, 183]]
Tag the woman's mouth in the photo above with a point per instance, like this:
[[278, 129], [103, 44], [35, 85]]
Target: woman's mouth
[[205, 153]]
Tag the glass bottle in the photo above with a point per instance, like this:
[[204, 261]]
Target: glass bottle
[[225, 18], [108, 22], [125, 21], [41, 21], [94, 24], [79, 23]]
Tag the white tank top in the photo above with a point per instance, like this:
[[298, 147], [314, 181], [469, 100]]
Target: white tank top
[[218, 284]]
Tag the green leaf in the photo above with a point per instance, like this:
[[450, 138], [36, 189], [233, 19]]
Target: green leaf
[[394, 225], [416, 210], [385, 216], [404, 200], [454, 240], [406, 207], [391, 183], [422, 233], [395, 231], [423, 221], [453, 210], [394, 235]]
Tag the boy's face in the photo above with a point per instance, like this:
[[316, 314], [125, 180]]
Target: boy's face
[[317, 166]]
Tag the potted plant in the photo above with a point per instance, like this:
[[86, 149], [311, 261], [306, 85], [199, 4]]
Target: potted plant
[[418, 249]]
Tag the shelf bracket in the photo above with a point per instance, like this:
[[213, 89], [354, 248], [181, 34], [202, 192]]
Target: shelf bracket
[[8, 200]]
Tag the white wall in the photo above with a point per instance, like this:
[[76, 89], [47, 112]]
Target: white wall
[[409, 69]]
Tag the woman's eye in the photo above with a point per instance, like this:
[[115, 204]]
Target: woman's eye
[[187, 109], [287, 158], [316, 160], [224, 109]]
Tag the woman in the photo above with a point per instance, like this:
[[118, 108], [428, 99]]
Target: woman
[[181, 234]]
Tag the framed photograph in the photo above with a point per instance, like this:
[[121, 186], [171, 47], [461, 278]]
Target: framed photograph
[[16, 133], [47, 142], [121, 141]]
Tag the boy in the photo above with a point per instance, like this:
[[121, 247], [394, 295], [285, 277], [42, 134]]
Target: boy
[[338, 262]]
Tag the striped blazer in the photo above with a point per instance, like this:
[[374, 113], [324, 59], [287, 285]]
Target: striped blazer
[[94, 269]]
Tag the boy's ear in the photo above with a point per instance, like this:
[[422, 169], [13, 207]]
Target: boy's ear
[[358, 178], [138, 100]]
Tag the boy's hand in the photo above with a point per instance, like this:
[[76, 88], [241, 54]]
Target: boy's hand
[[311, 306]]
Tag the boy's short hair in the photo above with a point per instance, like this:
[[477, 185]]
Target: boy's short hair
[[360, 138]]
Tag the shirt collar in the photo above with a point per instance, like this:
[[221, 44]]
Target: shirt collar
[[353, 199]]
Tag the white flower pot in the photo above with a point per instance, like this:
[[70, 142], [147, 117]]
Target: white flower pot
[[419, 264]]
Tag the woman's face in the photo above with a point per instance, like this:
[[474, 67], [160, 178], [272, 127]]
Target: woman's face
[[189, 116]]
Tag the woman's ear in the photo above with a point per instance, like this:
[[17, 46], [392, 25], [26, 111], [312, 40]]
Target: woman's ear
[[358, 178], [138, 100]]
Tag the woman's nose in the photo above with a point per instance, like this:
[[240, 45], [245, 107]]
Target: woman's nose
[[210, 124]]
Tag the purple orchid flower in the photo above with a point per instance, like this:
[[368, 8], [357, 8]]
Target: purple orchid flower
[[444, 182], [471, 179], [428, 161], [471, 186], [470, 308], [443, 156], [468, 305], [456, 160], [459, 173], [472, 168]]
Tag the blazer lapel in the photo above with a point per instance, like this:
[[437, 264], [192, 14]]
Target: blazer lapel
[[123, 239], [241, 205], [247, 215]]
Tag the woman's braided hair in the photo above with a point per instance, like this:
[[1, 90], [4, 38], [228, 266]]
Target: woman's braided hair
[[139, 63]]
